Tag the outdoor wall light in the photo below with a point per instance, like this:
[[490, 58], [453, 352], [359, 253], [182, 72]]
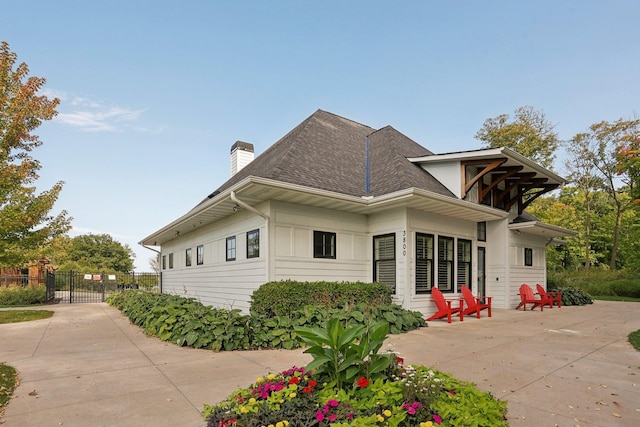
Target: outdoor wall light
[[236, 208]]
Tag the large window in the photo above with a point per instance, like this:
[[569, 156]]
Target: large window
[[464, 263], [424, 263], [324, 244], [253, 244], [445, 263], [231, 248], [187, 257], [528, 257], [384, 260], [200, 254]]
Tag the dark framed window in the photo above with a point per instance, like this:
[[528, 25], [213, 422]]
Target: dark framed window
[[482, 231], [424, 263], [384, 260], [164, 262], [445, 263], [324, 244], [253, 244], [200, 254], [464, 263], [231, 248], [187, 257], [528, 257], [170, 260]]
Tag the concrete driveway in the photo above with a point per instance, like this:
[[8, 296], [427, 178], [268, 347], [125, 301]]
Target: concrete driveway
[[88, 366]]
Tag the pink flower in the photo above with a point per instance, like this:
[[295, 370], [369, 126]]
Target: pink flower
[[319, 416], [332, 417], [332, 402], [437, 419]]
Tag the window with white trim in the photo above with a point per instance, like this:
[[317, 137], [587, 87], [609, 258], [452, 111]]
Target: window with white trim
[[384, 260], [445, 263], [424, 263]]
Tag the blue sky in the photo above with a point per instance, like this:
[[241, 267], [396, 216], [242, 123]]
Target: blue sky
[[154, 93]]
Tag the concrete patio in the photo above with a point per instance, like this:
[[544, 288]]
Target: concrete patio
[[87, 365]]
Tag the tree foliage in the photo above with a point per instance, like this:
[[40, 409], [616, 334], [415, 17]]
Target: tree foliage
[[92, 253], [25, 220], [529, 134]]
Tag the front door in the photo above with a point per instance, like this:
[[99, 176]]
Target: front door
[[482, 278]]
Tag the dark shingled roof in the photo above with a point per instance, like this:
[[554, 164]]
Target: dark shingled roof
[[327, 152]]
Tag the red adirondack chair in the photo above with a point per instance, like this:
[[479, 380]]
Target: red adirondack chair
[[445, 309], [527, 297], [549, 297], [475, 304]]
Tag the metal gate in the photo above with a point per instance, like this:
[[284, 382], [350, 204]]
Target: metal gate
[[75, 287]]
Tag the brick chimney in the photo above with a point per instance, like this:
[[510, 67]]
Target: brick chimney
[[241, 156]]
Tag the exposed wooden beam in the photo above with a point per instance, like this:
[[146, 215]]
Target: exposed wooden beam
[[491, 165]]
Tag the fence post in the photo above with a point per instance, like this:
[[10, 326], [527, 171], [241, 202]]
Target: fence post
[[71, 276], [103, 285]]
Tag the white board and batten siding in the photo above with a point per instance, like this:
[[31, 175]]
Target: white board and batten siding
[[293, 230], [521, 273], [218, 282]]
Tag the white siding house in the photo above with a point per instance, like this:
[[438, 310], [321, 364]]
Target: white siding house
[[337, 200]]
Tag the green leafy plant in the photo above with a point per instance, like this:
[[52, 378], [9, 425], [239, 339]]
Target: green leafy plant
[[8, 383], [573, 296], [23, 295], [340, 355]]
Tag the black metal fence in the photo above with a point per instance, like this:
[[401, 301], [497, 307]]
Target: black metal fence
[[75, 287]]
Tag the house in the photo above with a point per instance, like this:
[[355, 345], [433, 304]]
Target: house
[[340, 201]]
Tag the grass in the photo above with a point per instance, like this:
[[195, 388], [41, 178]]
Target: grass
[[8, 383], [15, 316], [634, 339]]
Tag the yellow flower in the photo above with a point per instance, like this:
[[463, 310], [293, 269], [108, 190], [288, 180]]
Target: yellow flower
[[259, 380], [387, 413], [380, 418], [292, 395], [286, 423], [252, 400], [244, 409], [271, 376], [426, 424], [279, 424]]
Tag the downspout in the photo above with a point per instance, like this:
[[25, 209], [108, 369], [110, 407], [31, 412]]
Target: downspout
[[250, 208]]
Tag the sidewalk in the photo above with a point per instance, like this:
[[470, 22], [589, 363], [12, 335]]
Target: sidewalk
[[88, 366]]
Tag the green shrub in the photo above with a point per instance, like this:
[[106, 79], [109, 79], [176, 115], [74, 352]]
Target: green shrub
[[23, 295], [185, 321], [284, 297], [573, 296]]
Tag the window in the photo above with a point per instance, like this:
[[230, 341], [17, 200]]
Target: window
[[528, 257], [170, 260], [324, 244], [424, 263], [187, 257], [231, 248], [164, 262], [464, 263], [200, 254], [445, 264], [384, 260], [482, 231], [253, 244]]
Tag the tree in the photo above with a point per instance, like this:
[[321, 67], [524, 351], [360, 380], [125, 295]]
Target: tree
[[25, 220], [154, 263], [97, 252], [583, 174], [529, 134], [607, 138]]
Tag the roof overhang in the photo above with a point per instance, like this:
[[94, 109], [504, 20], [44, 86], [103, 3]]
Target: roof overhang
[[540, 229], [255, 190]]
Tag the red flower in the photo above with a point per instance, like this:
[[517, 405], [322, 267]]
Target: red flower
[[362, 382], [294, 380], [312, 383]]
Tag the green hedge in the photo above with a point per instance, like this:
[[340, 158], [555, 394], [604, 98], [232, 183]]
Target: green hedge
[[186, 322], [23, 295], [284, 297]]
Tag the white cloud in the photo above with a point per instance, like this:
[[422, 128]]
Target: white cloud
[[94, 116]]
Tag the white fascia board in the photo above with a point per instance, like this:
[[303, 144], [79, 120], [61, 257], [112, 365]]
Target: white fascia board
[[541, 228]]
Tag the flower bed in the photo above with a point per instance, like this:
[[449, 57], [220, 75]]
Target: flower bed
[[409, 396]]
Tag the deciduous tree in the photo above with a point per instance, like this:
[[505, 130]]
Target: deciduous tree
[[529, 134], [25, 220]]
